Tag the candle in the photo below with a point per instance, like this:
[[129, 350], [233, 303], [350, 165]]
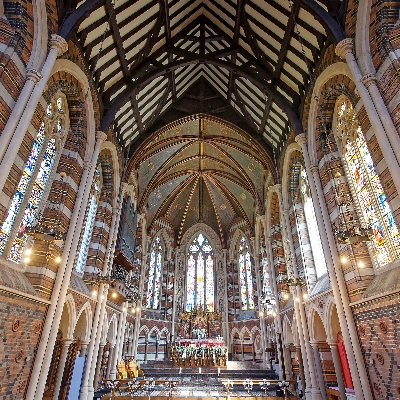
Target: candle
[[180, 370], [219, 370], [199, 370]]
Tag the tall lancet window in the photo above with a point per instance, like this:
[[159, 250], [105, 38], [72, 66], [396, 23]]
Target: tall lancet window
[[245, 276], [312, 226], [154, 277], [200, 275], [90, 217], [367, 186], [31, 188]]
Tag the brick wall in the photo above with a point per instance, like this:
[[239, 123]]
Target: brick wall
[[378, 324], [20, 332]]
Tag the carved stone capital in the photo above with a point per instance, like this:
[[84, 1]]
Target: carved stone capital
[[101, 136], [277, 187], [344, 47], [59, 43], [33, 75], [125, 187], [87, 165], [314, 168], [301, 138], [368, 80]]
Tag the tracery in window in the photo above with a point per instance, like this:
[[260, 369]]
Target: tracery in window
[[200, 275], [34, 200], [155, 269], [22, 187], [245, 276], [312, 227], [367, 186], [87, 231]]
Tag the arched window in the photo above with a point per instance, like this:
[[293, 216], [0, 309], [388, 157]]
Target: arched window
[[245, 276], [28, 198], [87, 230], [312, 226], [366, 186], [155, 269], [200, 275]]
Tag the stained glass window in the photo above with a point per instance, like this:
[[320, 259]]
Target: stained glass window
[[87, 230], [154, 279], [34, 200], [369, 191], [31, 187], [312, 228], [245, 276], [200, 289]]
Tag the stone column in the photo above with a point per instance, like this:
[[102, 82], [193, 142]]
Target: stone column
[[53, 316], [61, 367], [16, 133], [110, 361], [301, 367], [346, 321], [116, 355], [84, 346], [98, 365], [318, 368], [338, 368], [388, 140], [32, 77], [88, 378], [304, 336]]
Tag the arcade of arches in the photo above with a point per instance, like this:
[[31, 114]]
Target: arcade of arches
[[236, 159]]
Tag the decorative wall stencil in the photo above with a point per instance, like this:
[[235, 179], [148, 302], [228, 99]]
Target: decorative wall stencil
[[15, 325], [383, 327], [19, 356]]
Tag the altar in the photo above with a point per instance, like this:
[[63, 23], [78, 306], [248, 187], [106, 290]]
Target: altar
[[199, 341]]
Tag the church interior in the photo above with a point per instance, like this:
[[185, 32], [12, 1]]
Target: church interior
[[199, 199]]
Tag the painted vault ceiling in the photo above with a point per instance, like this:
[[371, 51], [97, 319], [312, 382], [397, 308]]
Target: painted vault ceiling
[[201, 169]]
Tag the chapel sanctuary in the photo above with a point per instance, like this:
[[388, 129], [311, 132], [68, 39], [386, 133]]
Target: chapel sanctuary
[[199, 199]]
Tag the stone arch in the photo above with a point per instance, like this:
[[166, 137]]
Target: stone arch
[[317, 327], [83, 324], [68, 317], [331, 320], [245, 332], [211, 235], [288, 335], [112, 330], [234, 244], [73, 69], [339, 68]]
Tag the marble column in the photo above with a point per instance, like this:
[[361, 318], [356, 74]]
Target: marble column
[[61, 367], [116, 355], [338, 368], [301, 367], [98, 365], [53, 316], [84, 346], [16, 133], [110, 361], [32, 77], [338, 284], [318, 367]]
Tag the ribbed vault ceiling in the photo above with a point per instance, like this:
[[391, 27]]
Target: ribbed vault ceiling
[[200, 169], [147, 55]]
